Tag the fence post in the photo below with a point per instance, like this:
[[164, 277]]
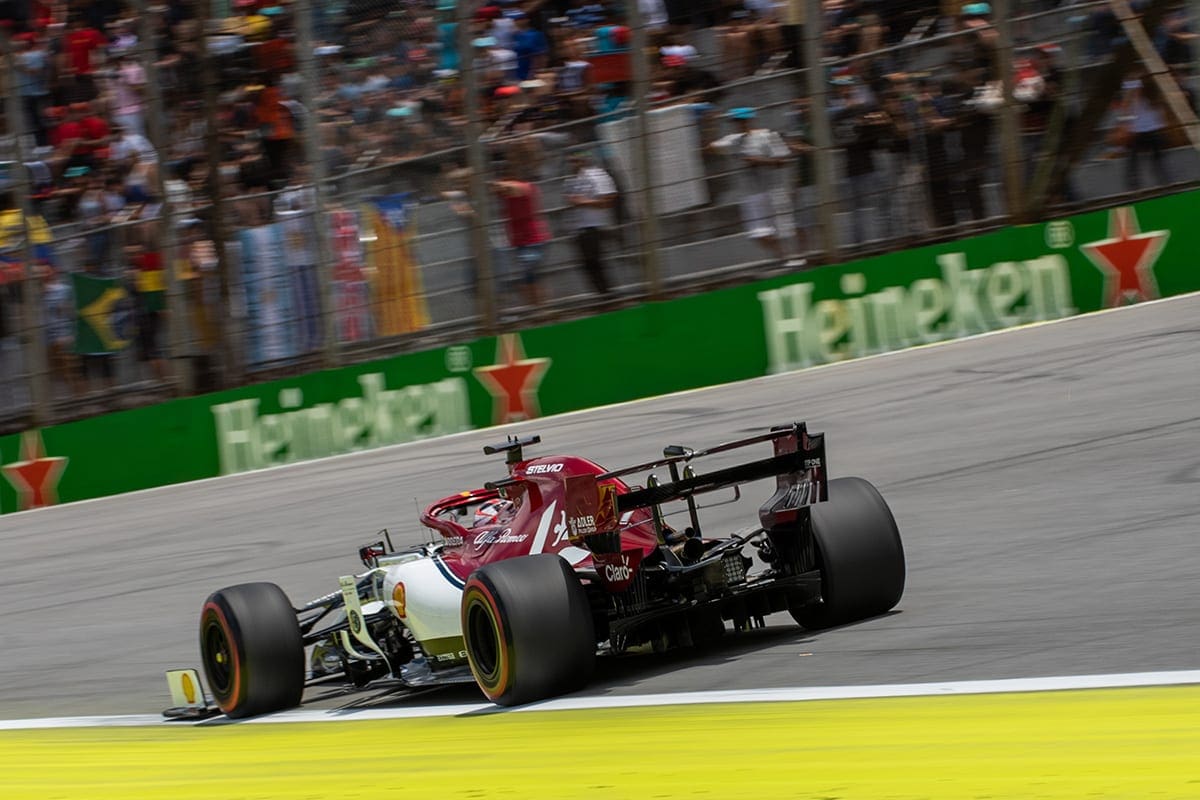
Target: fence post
[[1010, 133], [1193, 8], [818, 92], [650, 238], [480, 220], [315, 157], [31, 295], [230, 369], [168, 243]]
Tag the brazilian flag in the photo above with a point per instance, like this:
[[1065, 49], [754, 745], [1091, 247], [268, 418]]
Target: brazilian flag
[[103, 315]]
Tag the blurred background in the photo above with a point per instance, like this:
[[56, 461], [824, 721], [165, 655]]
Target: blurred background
[[199, 195]]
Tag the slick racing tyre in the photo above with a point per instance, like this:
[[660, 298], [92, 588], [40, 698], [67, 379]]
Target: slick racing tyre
[[859, 554], [252, 650], [528, 629]]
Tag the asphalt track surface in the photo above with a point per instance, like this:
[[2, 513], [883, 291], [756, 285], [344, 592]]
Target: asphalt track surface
[[1046, 482]]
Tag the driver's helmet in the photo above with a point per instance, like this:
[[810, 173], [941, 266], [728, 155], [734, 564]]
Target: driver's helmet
[[489, 510]]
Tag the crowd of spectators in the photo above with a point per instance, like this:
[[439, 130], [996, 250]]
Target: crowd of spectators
[[389, 92], [389, 86]]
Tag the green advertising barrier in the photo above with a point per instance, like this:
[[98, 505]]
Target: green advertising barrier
[[998, 280]]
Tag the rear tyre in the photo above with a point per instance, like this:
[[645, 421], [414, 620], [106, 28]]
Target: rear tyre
[[252, 650], [528, 629], [859, 554]]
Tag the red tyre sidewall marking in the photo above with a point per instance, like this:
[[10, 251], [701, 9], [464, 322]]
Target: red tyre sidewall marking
[[235, 698]]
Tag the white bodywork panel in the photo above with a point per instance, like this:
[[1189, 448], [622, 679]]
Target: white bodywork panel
[[432, 602]]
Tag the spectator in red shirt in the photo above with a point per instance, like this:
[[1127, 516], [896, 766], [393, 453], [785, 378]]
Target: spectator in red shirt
[[528, 231], [82, 48], [67, 139], [96, 134], [275, 125], [275, 55], [41, 15]]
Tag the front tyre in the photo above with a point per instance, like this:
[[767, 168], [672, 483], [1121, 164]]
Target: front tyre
[[528, 629], [252, 650], [859, 553]]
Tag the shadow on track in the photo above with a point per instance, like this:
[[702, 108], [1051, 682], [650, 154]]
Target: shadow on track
[[614, 676]]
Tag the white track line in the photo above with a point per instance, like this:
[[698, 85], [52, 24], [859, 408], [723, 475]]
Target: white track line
[[798, 694]]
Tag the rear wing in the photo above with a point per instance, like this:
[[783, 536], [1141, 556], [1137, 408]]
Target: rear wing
[[797, 453], [798, 464]]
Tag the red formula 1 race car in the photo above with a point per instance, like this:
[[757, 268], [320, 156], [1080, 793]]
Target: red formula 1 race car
[[531, 577]]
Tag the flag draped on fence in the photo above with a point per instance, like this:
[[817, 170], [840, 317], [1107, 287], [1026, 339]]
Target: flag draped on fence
[[103, 314], [398, 296], [267, 283], [351, 294], [300, 257]]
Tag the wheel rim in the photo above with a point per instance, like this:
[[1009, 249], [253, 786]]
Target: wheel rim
[[484, 641], [218, 657]]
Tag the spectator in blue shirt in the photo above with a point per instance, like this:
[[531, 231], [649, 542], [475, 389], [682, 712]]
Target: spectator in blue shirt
[[448, 36], [33, 74], [531, 47]]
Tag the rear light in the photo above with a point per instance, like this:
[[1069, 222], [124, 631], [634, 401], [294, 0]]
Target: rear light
[[734, 567]]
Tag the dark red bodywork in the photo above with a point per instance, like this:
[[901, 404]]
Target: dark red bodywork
[[544, 492]]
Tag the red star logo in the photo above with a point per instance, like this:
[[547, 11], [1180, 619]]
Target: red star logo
[[1127, 255], [513, 381], [36, 475]]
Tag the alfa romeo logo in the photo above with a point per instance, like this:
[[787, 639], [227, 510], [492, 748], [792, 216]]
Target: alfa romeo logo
[[355, 622]]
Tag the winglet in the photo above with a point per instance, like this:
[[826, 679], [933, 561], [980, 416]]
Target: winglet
[[188, 700]]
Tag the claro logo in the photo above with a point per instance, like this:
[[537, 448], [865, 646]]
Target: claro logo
[[618, 572]]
